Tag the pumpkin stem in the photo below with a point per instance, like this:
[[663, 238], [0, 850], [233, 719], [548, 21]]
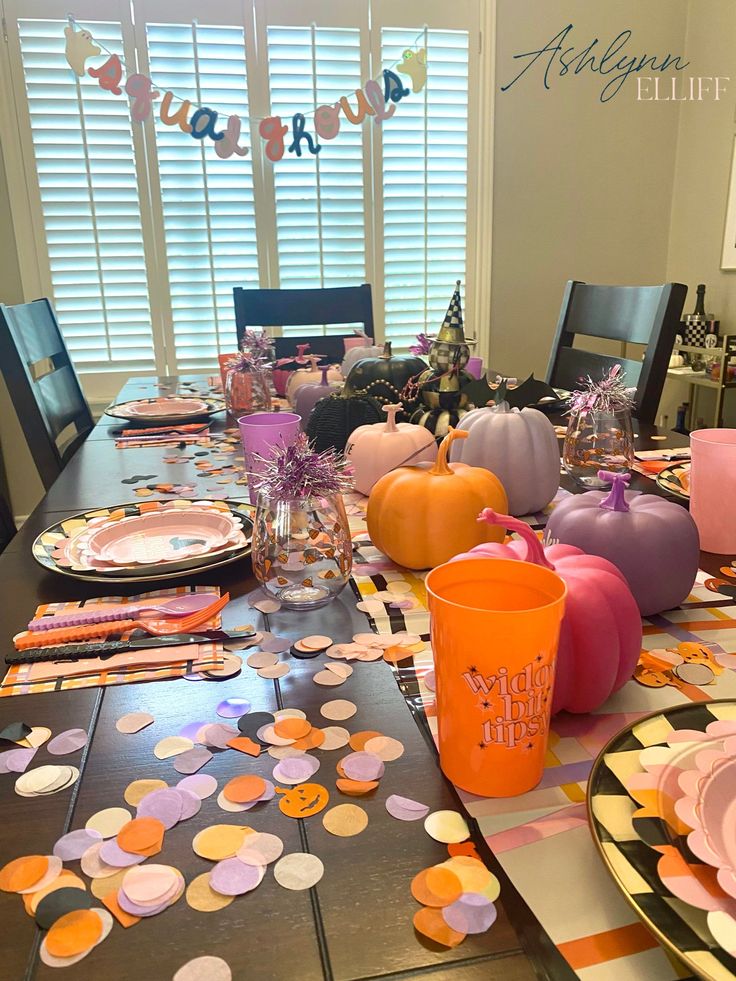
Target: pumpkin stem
[[441, 466], [324, 375], [391, 411], [301, 348], [616, 500], [534, 548], [386, 350]]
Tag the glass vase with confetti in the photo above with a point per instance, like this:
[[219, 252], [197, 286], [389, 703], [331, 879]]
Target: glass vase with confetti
[[599, 434]]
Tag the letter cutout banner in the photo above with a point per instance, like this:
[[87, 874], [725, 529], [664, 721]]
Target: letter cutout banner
[[376, 98]]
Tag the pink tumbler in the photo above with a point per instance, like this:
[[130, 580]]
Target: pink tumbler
[[259, 433], [713, 488]]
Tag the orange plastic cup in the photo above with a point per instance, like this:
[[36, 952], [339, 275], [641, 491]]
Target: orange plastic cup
[[495, 628]]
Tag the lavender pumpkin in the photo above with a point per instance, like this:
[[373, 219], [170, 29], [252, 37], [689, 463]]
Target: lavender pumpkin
[[654, 543]]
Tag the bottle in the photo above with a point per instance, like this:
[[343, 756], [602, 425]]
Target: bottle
[[679, 426], [696, 323], [699, 310]]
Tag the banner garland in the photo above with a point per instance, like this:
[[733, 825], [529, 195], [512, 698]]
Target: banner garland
[[376, 99]]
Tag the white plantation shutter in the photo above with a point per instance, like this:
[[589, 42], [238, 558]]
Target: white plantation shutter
[[425, 181], [84, 159], [319, 199], [207, 202]]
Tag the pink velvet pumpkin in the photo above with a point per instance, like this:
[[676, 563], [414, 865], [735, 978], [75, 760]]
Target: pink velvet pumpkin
[[600, 638], [375, 450], [310, 375]]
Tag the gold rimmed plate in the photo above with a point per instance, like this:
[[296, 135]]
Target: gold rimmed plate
[[166, 409], [631, 800], [675, 480], [48, 542]]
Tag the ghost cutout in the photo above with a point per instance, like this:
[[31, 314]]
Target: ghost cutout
[[414, 64], [79, 47]]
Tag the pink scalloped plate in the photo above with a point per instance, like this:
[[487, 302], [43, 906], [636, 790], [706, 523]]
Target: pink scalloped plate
[[166, 407]]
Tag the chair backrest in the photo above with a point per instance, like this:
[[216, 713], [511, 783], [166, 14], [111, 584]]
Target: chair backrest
[[648, 315], [302, 308], [7, 523], [43, 385]]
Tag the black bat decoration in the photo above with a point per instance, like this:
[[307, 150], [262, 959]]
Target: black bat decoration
[[530, 392]]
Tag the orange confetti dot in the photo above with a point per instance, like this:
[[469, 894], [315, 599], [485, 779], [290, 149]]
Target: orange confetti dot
[[314, 738], [291, 728], [242, 790], [123, 918], [65, 880], [74, 933], [436, 886], [140, 835], [355, 788], [22, 872], [397, 653], [358, 739], [430, 924], [245, 745]]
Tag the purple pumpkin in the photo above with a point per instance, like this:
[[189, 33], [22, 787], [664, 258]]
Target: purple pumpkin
[[308, 395], [654, 543]]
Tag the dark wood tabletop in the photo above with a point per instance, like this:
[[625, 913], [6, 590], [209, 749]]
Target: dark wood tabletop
[[357, 922]]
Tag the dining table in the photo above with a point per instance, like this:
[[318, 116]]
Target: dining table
[[356, 923]]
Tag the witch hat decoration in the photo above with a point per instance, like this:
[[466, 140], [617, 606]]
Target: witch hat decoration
[[451, 331]]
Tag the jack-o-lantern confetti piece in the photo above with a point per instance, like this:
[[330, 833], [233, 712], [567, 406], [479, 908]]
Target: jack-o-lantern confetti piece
[[345, 820], [471, 913], [23, 872], [298, 871], [140, 834], [385, 748], [60, 902], [436, 886], [335, 738], [202, 784], [231, 877], [243, 789], [328, 679], [110, 900], [73, 933], [338, 710], [138, 789], [67, 742], [397, 653], [260, 848], [292, 728], [108, 821], [472, 873], [430, 923], [204, 969], [304, 800], [53, 871], [71, 846], [279, 670], [313, 740], [171, 746], [355, 788], [446, 826], [405, 809], [358, 740], [219, 841], [65, 880], [202, 897], [245, 745], [51, 961]]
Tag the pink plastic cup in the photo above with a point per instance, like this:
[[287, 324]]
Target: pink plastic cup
[[713, 488], [259, 433], [474, 367]]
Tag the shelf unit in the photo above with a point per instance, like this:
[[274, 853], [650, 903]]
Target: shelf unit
[[701, 379]]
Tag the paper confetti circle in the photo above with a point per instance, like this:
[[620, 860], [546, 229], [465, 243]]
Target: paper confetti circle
[[299, 870]]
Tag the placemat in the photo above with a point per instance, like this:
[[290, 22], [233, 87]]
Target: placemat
[[542, 838]]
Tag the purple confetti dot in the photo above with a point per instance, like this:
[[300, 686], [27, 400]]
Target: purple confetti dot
[[135, 910], [166, 805], [232, 877], [113, 854], [363, 766], [73, 845], [429, 680], [275, 645], [67, 742], [471, 913], [192, 760], [190, 802], [17, 760], [233, 708], [219, 735], [405, 809], [296, 769], [190, 730], [201, 784]]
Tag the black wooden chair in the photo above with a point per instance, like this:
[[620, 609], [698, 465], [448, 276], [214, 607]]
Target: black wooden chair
[[43, 385], [7, 522], [302, 308], [647, 315]]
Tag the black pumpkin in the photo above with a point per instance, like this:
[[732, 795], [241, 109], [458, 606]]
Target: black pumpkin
[[335, 417], [383, 378]]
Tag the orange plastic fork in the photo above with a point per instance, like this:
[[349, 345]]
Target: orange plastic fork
[[100, 631]]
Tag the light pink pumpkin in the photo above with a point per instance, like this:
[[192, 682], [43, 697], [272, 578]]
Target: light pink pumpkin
[[309, 376], [600, 637], [309, 394], [375, 450]]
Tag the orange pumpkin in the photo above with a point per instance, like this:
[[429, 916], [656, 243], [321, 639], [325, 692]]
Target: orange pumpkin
[[423, 515]]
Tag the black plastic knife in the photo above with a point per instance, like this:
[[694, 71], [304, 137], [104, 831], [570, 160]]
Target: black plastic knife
[[106, 648]]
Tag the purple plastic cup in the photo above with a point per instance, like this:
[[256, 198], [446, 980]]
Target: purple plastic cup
[[474, 367], [260, 432]]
